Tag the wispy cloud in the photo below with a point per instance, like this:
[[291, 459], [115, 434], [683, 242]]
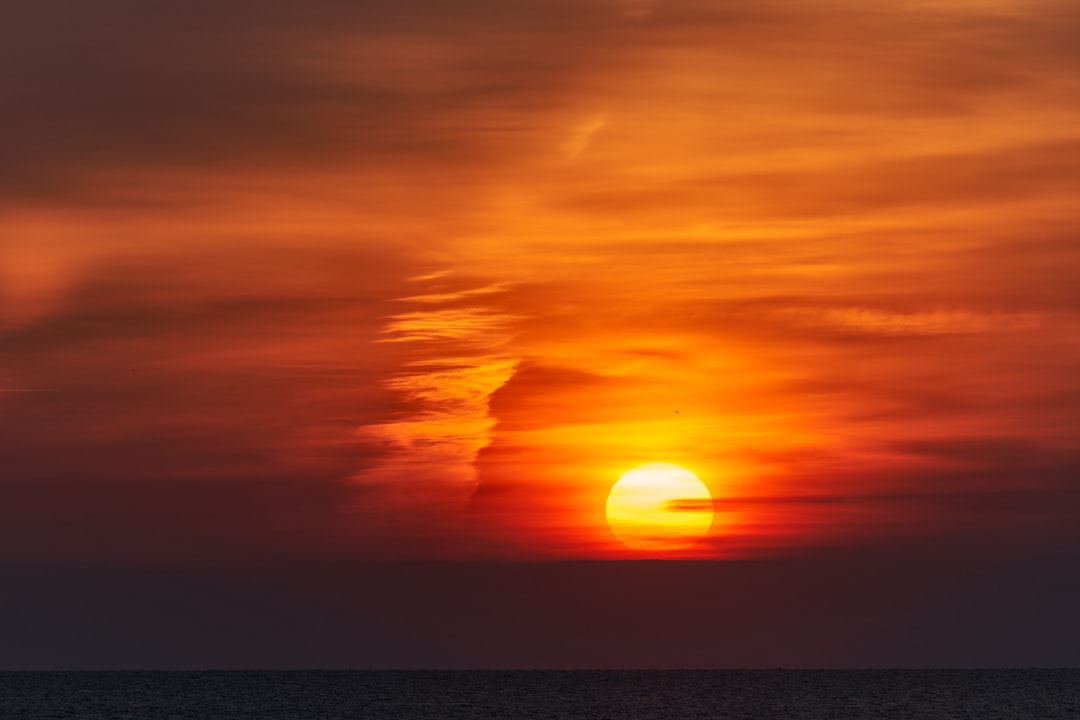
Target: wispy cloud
[[932, 322], [464, 358], [446, 297]]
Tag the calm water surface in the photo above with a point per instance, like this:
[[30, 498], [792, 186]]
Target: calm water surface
[[632, 695]]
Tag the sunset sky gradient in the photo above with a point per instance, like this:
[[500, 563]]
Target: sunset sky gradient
[[411, 284]]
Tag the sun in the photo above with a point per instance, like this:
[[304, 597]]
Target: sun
[[659, 507]]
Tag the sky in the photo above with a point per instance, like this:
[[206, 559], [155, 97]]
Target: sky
[[327, 327]]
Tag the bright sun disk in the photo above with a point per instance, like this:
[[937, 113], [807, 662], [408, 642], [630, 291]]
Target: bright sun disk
[[658, 507]]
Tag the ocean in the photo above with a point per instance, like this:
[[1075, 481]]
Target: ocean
[[536, 695]]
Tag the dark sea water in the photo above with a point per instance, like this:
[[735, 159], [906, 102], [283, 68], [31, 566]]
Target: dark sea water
[[633, 695]]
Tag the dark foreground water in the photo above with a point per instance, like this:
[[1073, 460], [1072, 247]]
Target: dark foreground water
[[632, 695]]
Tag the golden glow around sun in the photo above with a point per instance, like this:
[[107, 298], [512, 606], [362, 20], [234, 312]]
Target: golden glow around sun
[[659, 507]]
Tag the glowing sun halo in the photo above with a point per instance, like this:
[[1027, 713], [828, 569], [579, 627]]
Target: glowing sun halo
[[659, 507]]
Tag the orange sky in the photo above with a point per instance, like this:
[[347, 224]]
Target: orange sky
[[421, 281]]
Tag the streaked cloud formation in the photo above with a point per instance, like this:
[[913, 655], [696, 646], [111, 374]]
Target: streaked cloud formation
[[422, 279]]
